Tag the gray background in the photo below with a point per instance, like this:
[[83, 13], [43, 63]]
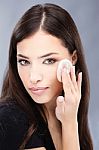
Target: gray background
[[86, 16]]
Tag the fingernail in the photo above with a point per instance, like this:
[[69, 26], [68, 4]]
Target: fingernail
[[60, 99], [73, 68], [80, 74], [65, 70]]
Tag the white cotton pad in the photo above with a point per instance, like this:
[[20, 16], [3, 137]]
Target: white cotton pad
[[63, 63]]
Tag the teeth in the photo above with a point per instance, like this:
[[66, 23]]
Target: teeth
[[63, 63]]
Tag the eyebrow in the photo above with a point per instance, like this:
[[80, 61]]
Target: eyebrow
[[20, 55], [46, 55]]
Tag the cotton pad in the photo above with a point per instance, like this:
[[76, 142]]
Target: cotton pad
[[63, 63]]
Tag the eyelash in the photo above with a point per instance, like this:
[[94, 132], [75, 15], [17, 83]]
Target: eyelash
[[51, 60], [24, 62]]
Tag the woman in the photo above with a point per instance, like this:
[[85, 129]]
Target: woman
[[37, 111]]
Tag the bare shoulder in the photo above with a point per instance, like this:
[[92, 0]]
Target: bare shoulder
[[40, 148]]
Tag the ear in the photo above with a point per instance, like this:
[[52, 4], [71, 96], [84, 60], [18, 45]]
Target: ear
[[74, 57]]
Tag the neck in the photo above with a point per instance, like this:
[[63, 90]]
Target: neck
[[51, 116], [50, 109]]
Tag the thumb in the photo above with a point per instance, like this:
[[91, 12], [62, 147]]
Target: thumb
[[60, 99], [60, 107]]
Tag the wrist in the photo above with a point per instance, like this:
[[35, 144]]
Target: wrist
[[70, 131], [71, 125]]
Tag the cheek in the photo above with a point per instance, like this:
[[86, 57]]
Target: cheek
[[23, 74], [51, 74], [53, 79]]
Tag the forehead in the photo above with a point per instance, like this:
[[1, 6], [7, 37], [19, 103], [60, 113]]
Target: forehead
[[41, 43]]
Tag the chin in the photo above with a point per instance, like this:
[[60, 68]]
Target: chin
[[39, 101]]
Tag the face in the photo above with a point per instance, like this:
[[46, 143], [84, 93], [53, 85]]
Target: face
[[37, 61]]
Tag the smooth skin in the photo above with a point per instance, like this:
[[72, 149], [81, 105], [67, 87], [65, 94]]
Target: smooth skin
[[37, 71]]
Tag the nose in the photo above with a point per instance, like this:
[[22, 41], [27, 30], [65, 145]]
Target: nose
[[35, 75]]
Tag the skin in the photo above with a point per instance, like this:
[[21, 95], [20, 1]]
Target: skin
[[35, 71]]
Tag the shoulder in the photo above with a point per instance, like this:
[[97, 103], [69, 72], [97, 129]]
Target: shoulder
[[11, 112], [13, 125]]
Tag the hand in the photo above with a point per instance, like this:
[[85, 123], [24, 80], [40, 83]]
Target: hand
[[67, 106]]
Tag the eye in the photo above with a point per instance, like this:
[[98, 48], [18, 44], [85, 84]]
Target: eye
[[49, 61], [23, 62]]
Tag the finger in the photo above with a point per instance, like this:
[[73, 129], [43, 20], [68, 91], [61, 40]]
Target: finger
[[60, 107], [79, 82], [73, 78], [67, 83], [60, 99], [60, 103]]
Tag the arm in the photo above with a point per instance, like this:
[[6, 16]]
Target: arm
[[70, 137], [67, 109]]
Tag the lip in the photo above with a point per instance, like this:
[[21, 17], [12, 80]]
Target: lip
[[38, 91]]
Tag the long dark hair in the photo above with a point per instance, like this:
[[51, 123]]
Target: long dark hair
[[56, 21]]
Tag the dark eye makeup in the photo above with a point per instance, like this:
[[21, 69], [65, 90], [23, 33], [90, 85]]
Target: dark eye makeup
[[23, 62], [49, 61]]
